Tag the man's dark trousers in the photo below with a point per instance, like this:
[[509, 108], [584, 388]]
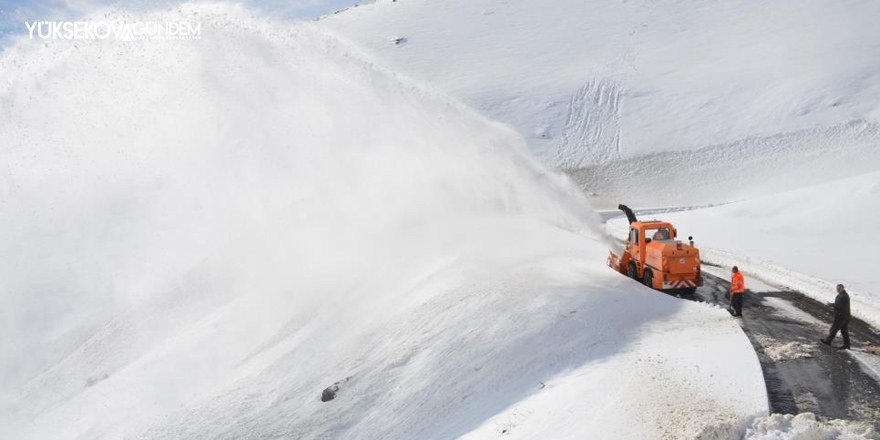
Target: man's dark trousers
[[736, 300], [841, 323]]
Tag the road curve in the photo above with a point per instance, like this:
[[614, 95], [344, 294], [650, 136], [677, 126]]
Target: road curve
[[784, 325]]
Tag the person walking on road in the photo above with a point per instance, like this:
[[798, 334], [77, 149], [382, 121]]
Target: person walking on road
[[737, 288], [841, 318]]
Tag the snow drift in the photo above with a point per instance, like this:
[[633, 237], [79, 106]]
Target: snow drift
[[201, 235]]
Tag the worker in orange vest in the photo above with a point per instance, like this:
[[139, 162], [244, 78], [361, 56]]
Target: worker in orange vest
[[737, 287]]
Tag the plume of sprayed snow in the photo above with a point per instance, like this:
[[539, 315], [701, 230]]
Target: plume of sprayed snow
[[265, 166]]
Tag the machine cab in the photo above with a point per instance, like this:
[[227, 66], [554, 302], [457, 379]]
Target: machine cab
[[642, 233]]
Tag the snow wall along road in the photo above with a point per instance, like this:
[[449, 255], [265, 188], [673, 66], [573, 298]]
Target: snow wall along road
[[186, 204]]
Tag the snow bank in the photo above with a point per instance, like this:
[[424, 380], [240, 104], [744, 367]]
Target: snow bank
[[589, 82], [202, 235]]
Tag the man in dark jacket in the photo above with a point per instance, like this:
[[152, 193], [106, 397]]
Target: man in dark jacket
[[841, 318]]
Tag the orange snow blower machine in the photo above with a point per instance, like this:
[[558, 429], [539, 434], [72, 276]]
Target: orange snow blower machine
[[653, 256]]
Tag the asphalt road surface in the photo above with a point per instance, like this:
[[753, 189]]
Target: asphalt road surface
[[826, 381]]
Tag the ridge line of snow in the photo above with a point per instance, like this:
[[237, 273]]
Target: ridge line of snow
[[341, 10]]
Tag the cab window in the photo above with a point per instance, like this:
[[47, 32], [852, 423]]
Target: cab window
[[660, 234]]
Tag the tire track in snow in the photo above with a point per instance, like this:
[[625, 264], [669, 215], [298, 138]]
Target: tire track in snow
[[592, 122]]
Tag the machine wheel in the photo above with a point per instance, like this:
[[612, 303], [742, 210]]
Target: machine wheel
[[631, 271], [649, 278]]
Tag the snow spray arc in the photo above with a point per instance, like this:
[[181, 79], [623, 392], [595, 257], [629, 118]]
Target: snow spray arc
[[101, 30]]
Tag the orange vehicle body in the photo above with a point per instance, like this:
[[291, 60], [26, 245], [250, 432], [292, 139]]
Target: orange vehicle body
[[653, 255]]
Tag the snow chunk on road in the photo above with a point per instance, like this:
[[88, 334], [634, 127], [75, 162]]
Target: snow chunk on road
[[806, 427], [780, 352]]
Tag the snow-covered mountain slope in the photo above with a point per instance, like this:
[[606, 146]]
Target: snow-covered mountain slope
[[822, 231], [199, 236], [590, 82]]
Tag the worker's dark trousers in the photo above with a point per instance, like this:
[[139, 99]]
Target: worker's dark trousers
[[841, 323], [736, 300]]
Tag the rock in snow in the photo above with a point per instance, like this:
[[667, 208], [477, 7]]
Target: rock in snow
[[330, 392]]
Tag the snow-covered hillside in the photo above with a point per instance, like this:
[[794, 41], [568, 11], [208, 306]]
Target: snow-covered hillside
[[199, 236], [593, 81]]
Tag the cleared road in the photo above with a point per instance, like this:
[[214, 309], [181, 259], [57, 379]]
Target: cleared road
[[783, 326]]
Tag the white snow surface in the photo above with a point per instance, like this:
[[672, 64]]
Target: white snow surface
[[592, 82], [200, 236]]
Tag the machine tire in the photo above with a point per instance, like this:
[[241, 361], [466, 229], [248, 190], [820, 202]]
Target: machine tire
[[631, 271], [648, 279], [689, 292]]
